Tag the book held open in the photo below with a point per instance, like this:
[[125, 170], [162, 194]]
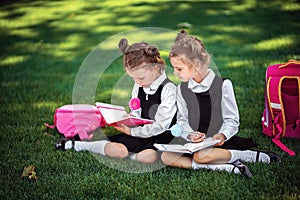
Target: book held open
[[115, 115], [188, 147]]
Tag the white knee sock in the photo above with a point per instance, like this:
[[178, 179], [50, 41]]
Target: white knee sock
[[93, 146], [248, 156], [220, 167]]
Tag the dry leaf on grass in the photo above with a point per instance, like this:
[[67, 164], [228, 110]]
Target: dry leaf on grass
[[29, 172]]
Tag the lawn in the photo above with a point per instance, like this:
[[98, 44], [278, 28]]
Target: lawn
[[60, 52]]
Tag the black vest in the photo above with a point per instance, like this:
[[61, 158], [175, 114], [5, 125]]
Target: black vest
[[150, 103], [204, 109]]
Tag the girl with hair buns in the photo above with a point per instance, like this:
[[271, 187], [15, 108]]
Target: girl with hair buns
[[157, 95], [206, 104]]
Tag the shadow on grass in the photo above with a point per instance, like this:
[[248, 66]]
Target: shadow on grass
[[243, 38]]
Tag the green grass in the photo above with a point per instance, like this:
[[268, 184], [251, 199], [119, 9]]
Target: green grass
[[44, 43]]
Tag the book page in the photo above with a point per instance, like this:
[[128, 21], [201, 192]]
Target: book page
[[116, 115], [109, 106], [188, 147], [171, 148], [111, 113], [198, 146]]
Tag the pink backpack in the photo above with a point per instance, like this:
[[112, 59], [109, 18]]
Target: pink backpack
[[80, 119], [281, 116]]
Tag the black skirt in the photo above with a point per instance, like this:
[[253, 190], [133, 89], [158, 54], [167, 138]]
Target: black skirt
[[136, 144], [239, 143]]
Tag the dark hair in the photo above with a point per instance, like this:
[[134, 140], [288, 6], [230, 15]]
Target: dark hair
[[139, 53], [190, 50]]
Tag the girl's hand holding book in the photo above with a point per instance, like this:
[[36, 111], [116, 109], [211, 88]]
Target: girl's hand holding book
[[196, 137], [219, 136], [124, 129], [177, 131]]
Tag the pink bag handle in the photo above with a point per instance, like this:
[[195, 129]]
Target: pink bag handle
[[289, 62]]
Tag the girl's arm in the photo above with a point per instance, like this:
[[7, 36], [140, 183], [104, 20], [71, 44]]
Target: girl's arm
[[229, 110], [182, 115], [163, 117]]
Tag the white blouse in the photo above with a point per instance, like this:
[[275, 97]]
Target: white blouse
[[229, 107], [165, 111]]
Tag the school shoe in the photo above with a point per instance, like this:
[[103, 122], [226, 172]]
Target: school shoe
[[242, 167], [60, 144], [273, 156]]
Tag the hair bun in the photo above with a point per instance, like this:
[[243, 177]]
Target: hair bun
[[181, 37], [183, 32], [151, 50], [123, 45]]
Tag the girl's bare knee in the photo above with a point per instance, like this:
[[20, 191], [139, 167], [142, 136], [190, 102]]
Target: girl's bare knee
[[202, 157], [166, 158], [212, 156], [146, 156], [115, 150], [176, 160]]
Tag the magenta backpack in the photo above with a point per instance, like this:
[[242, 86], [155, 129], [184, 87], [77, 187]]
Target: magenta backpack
[[281, 116], [77, 119]]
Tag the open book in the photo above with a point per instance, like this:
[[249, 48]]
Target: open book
[[116, 115], [188, 147]]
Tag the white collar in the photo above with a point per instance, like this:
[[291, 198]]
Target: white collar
[[155, 84], [204, 85]]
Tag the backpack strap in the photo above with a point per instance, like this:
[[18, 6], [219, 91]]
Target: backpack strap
[[275, 105], [49, 126], [83, 135], [276, 108], [277, 141]]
